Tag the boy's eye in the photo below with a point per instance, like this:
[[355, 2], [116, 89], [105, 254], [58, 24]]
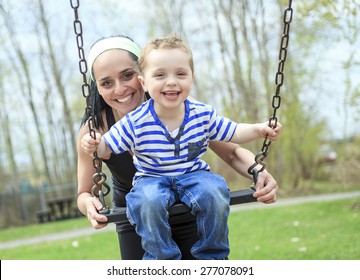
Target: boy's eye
[[182, 74]]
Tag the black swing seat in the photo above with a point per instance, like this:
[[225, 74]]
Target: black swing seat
[[236, 197]]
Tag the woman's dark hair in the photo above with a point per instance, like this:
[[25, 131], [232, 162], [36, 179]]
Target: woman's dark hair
[[97, 103]]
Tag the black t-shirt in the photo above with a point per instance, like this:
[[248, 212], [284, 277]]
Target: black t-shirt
[[121, 167]]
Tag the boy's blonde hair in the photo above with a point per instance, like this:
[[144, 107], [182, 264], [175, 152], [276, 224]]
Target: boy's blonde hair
[[168, 42]]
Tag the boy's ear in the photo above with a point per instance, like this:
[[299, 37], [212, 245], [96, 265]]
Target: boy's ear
[[142, 82]]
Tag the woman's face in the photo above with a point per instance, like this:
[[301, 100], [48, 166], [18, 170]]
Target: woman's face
[[116, 76]]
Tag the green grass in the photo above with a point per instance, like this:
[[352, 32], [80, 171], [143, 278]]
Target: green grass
[[324, 230], [42, 229], [101, 246]]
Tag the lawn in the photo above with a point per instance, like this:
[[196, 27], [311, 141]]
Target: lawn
[[308, 231], [322, 230]]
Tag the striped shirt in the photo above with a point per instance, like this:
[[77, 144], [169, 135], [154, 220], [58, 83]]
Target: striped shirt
[[156, 152]]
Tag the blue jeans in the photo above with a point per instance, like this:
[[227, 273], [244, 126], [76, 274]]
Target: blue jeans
[[205, 193]]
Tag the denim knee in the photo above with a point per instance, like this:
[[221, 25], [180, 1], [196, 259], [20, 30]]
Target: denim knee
[[148, 192], [214, 194]]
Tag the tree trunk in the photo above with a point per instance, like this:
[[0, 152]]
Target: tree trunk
[[26, 88], [56, 72]]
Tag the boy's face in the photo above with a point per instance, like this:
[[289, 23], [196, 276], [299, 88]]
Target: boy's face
[[168, 76]]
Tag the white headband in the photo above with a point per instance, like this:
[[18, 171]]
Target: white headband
[[108, 44]]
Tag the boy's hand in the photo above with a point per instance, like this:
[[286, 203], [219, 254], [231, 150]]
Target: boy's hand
[[90, 144], [269, 132]]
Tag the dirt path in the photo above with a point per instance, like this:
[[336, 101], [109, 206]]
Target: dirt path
[[235, 208]]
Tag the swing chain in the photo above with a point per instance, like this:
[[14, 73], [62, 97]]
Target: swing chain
[[276, 99], [99, 177]]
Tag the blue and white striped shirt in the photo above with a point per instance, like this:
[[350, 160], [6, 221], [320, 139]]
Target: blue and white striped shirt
[[156, 152]]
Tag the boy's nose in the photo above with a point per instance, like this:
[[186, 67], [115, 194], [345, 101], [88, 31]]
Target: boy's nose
[[171, 80]]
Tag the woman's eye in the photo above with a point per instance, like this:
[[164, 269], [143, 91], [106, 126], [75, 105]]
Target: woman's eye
[[128, 76], [106, 83]]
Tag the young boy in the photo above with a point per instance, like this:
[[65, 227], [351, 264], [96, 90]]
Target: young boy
[[168, 135]]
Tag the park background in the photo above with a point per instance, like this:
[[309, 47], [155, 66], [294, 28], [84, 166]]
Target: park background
[[236, 48]]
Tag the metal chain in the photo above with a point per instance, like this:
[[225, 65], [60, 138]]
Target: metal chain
[[276, 99], [99, 178]]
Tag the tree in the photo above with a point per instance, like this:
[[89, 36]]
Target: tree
[[53, 153], [7, 139], [24, 78], [68, 129]]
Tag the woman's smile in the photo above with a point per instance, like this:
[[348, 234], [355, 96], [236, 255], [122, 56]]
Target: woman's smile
[[126, 99]]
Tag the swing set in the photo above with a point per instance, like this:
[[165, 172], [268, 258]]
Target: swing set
[[100, 188]]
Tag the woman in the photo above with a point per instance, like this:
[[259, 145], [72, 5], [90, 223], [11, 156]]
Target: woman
[[116, 91]]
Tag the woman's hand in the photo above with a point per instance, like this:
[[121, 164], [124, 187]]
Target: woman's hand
[[93, 205], [266, 188]]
